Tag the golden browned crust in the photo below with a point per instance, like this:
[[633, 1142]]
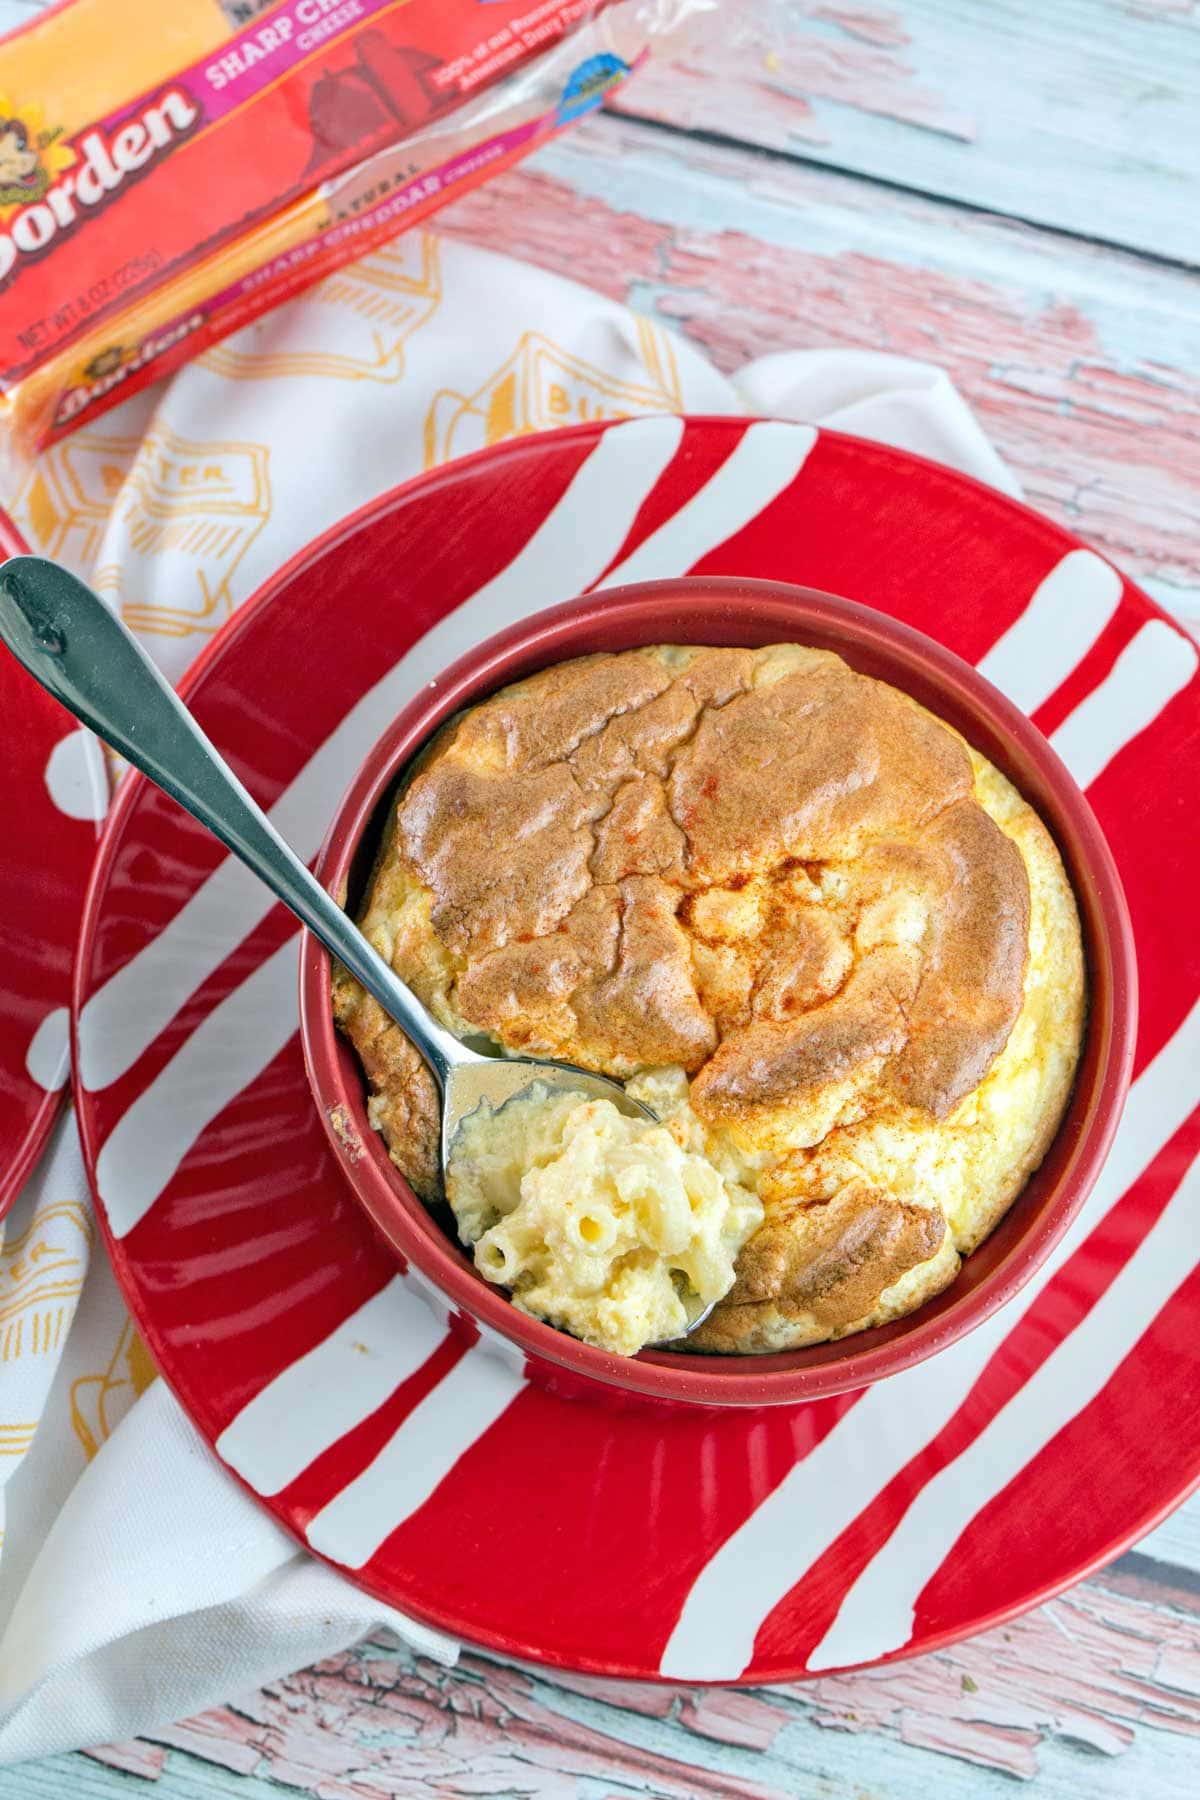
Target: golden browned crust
[[821, 1266], [756, 865], [1061, 1015], [561, 825], [404, 1097]]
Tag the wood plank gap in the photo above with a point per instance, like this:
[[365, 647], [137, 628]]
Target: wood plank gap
[[720, 140], [1149, 1568]]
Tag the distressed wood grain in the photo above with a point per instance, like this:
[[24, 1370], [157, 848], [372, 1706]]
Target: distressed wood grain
[[1082, 363], [1176, 1543], [1098, 1693], [1080, 114]]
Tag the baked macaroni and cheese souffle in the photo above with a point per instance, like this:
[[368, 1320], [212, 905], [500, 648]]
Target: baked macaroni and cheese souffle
[[822, 938]]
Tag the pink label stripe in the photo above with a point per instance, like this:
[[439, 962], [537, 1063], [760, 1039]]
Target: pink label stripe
[[277, 42], [402, 199]]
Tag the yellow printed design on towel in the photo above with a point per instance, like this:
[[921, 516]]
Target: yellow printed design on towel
[[100, 1402], [197, 504], [64, 504], [352, 327], [41, 1274], [542, 385]]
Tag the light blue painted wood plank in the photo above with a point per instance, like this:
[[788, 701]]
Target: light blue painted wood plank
[[183, 1778], [17, 12], [1176, 1542], [1081, 114], [807, 1759], [1079, 360]]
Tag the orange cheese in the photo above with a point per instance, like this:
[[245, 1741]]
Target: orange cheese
[[166, 174]]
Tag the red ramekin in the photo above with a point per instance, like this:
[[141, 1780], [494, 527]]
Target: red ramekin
[[699, 611]]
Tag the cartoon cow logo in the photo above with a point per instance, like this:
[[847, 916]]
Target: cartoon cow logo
[[31, 156], [108, 361]]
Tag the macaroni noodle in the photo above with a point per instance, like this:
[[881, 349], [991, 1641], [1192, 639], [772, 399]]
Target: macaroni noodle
[[598, 1223]]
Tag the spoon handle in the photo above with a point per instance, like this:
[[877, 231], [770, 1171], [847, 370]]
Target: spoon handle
[[80, 652]]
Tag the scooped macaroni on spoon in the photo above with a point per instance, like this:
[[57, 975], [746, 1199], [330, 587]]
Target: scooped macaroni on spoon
[[599, 1223]]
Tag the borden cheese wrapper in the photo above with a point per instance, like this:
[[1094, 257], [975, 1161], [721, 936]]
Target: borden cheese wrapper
[[166, 175]]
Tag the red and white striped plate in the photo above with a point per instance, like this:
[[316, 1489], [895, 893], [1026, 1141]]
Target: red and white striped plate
[[688, 1544], [55, 792]]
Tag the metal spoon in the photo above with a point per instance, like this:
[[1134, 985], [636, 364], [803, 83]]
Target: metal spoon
[[80, 652]]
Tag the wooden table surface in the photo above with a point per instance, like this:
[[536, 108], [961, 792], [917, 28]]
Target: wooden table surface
[[1011, 189]]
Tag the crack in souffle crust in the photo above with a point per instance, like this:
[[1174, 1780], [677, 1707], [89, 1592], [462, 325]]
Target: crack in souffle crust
[[755, 866]]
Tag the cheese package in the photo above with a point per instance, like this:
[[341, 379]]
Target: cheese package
[[171, 168]]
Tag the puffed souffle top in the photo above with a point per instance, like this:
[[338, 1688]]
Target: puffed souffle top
[[822, 937]]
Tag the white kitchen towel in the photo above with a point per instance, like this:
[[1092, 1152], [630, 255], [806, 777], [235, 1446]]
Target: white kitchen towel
[[138, 1583]]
